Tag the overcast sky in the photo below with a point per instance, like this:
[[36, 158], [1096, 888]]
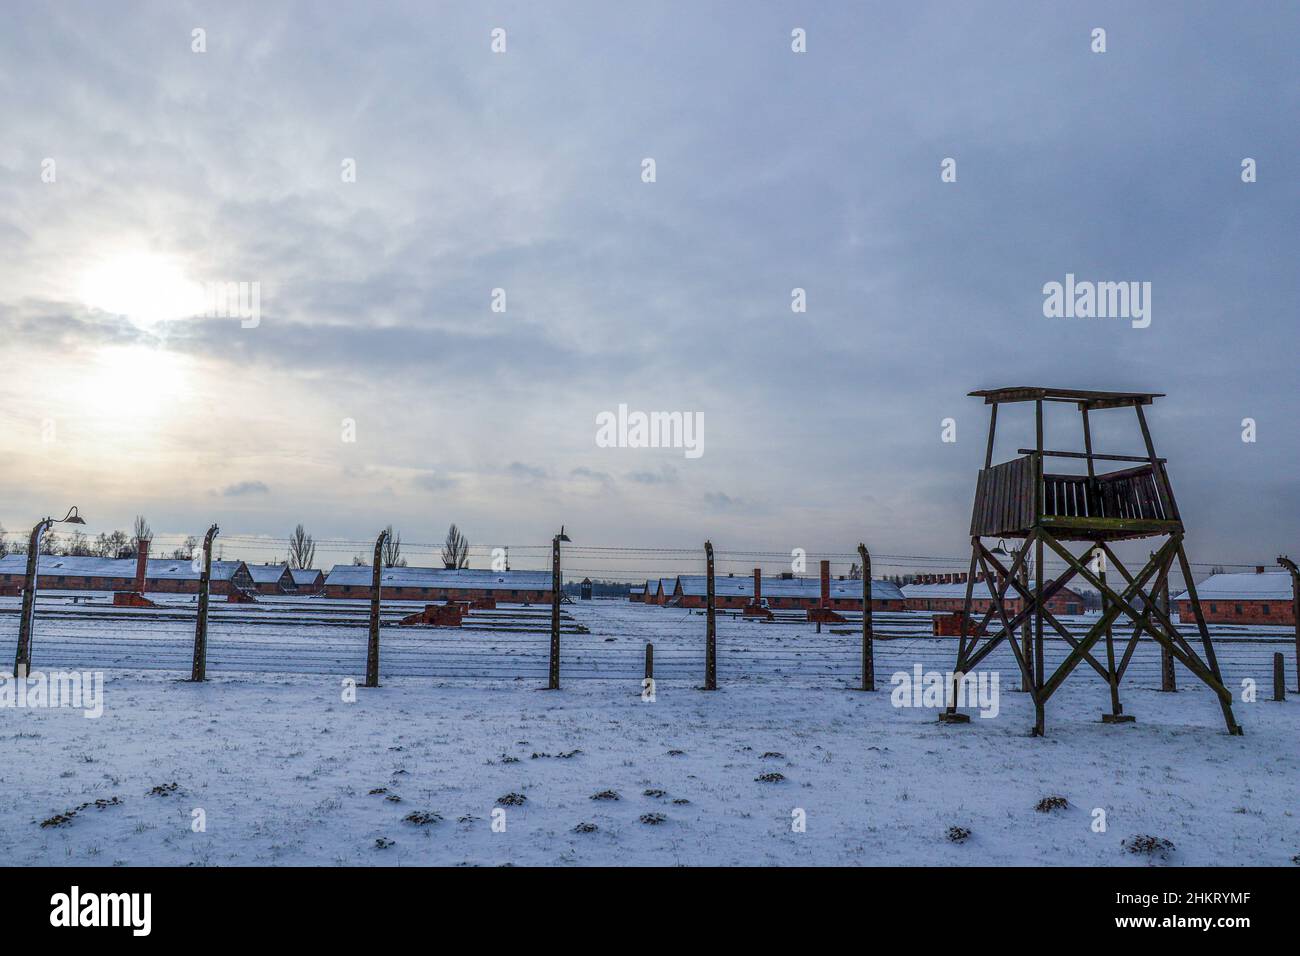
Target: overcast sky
[[522, 171]]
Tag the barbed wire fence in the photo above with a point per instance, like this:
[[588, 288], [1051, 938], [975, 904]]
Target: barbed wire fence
[[630, 564], [325, 641]]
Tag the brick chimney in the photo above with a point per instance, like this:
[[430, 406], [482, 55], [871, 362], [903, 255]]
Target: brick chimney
[[826, 584], [1259, 569], [141, 564], [758, 585]]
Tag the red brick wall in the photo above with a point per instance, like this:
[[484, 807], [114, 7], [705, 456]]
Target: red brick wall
[[1238, 612], [1065, 602], [738, 601], [72, 582], [361, 592]]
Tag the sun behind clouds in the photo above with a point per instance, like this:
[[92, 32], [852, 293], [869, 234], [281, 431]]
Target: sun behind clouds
[[145, 287]]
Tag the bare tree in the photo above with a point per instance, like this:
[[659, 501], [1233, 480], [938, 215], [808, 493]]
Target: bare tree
[[115, 545], [141, 531], [4, 541], [78, 545], [302, 549], [455, 550], [186, 551], [855, 572], [393, 549]]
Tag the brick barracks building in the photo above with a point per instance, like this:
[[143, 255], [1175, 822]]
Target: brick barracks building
[[658, 590], [308, 581], [272, 579], [1264, 597], [785, 592], [440, 584], [55, 572], [947, 592]]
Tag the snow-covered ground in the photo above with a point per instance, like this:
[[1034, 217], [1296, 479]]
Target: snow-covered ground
[[283, 767]]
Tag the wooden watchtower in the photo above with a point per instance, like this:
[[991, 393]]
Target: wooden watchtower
[[1021, 499]]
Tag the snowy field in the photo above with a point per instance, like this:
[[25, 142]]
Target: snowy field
[[286, 771]]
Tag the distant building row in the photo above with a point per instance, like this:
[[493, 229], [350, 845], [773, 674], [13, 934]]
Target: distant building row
[[947, 592], [1264, 597], [171, 575], [162, 575], [440, 584], [929, 593], [785, 592]]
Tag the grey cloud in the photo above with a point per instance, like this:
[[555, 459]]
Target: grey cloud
[[521, 471], [720, 501], [590, 474], [243, 488], [667, 475], [431, 481]]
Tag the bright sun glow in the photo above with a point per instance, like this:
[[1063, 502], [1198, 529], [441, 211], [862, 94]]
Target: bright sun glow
[[144, 287], [137, 382]]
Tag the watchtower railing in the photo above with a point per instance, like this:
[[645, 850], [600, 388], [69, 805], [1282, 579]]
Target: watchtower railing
[[1117, 502], [1130, 494]]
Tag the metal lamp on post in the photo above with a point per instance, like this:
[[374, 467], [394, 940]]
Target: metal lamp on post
[[556, 585], [23, 660]]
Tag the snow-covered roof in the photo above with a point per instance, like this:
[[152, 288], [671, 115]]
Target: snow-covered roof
[[305, 575], [178, 569], [980, 592], [1269, 586], [475, 578], [267, 573], [56, 564], [158, 568], [949, 590], [842, 590]]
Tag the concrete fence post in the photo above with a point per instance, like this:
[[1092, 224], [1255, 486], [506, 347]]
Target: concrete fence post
[[1289, 565], [199, 670], [710, 631], [1279, 676], [23, 659], [557, 588], [27, 620], [868, 634], [376, 589]]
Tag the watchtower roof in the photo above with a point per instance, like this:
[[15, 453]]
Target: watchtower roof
[[1080, 397]]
